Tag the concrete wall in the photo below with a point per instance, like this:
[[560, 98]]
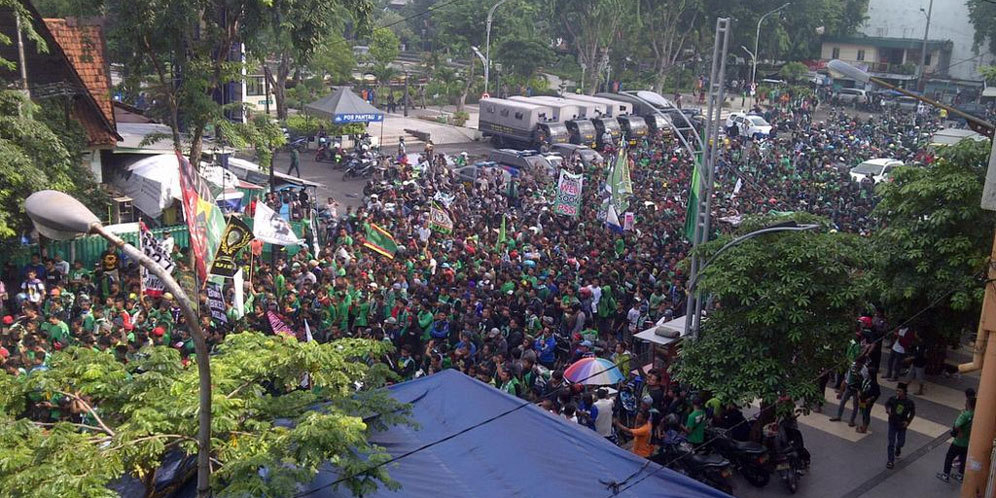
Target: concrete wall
[[949, 21]]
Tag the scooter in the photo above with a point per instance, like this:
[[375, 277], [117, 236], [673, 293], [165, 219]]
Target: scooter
[[711, 469], [361, 168], [748, 457]]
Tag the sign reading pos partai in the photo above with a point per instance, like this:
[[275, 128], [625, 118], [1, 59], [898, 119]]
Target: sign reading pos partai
[[357, 118]]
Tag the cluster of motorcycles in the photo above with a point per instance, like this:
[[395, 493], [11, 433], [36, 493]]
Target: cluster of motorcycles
[[782, 454], [361, 162]]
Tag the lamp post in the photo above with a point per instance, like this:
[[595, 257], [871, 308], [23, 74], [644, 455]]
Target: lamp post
[[923, 50], [753, 61], [691, 318], [976, 123], [487, 46], [757, 37], [61, 217]]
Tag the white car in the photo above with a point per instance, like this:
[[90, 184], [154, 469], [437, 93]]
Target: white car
[[748, 125], [878, 169]]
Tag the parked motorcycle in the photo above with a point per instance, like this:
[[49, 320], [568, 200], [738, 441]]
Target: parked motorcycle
[[360, 168], [788, 454], [708, 468], [748, 457]]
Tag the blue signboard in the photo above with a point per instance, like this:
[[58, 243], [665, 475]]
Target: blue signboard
[[357, 118]]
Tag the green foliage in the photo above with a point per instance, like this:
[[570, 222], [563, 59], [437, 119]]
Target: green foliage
[[460, 117], [384, 46], [989, 73], [149, 406], [786, 306], [302, 125], [982, 14], [333, 60], [33, 156], [935, 240], [261, 133], [524, 57], [793, 72]]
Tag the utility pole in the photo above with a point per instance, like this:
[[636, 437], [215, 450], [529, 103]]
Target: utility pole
[[487, 44], [707, 163], [980, 444], [273, 181], [757, 37], [20, 56], [923, 50], [405, 98]]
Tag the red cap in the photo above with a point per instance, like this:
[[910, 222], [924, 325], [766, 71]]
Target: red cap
[[158, 331], [7, 320]]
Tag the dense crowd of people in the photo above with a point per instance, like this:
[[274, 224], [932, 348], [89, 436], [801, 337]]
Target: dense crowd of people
[[514, 294]]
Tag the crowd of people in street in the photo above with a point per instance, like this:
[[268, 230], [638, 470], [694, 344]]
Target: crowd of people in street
[[514, 294]]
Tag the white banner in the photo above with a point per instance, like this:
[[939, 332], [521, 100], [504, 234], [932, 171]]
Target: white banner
[[156, 250], [271, 228]]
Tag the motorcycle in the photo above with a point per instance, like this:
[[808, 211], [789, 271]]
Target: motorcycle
[[749, 458], [789, 456], [711, 469], [360, 168]]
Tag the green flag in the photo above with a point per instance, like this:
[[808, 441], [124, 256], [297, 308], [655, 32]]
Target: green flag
[[620, 184], [380, 241], [692, 214], [502, 238]]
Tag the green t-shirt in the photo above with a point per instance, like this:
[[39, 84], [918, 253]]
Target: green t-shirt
[[58, 332], [964, 425], [696, 426]]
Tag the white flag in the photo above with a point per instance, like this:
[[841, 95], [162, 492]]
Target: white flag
[[271, 228], [736, 188], [240, 298]]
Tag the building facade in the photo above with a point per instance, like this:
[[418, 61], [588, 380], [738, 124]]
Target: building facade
[[948, 21]]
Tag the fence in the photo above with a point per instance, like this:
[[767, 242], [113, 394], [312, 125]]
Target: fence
[[88, 249]]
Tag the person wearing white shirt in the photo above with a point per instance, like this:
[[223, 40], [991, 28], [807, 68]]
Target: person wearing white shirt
[[603, 420]]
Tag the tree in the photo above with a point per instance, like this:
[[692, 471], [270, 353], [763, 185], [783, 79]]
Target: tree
[[793, 72], [90, 419], [384, 46], [36, 156], [667, 26], [982, 14], [524, 57], [935, 241], [787, 303], [183, 51], [590, 26]]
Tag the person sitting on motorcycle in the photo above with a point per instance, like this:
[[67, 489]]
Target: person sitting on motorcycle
[[732, 419]]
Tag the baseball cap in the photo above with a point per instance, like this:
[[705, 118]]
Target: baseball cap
[[7, 320]]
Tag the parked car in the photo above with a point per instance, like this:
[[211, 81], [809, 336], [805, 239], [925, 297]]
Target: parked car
[[526, 160], [588, 155], [879, 169], [747, 125], [851, 96], [471, 172]]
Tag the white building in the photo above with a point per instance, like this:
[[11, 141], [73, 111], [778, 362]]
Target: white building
[[949, 21]]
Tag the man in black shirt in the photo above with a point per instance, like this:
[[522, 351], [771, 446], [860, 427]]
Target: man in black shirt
[[901, 411]]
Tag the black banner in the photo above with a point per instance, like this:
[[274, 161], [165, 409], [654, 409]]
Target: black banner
[[236, 236], [216, 301]]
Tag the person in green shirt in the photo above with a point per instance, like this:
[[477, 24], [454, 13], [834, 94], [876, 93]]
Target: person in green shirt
[[696, 422], [56, 330], [959, 447]]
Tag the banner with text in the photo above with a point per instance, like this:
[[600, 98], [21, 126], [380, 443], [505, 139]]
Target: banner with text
[[568, 194]]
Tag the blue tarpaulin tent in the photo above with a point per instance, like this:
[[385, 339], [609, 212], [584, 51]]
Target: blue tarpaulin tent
[[525, 453]]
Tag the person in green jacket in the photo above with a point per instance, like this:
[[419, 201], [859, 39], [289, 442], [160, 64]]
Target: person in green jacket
[[961, 431]]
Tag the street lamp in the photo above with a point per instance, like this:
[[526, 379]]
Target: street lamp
[[757, 37], [976, 123], [691, 317], [487, 46], [61, 217]]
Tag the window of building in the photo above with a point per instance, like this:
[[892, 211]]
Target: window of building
[[518, 115], [927, 59], [254, 86], [504, 113], [835, 53], [861, 55]]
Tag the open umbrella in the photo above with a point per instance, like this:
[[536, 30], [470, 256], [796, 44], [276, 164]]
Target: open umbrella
[[594, 371]]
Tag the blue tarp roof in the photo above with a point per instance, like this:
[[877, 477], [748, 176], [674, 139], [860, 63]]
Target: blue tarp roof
[[525, 453]]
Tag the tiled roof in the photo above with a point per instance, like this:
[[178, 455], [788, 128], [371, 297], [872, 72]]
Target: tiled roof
[[84, 47]]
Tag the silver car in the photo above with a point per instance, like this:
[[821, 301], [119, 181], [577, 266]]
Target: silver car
[[851, 96]]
